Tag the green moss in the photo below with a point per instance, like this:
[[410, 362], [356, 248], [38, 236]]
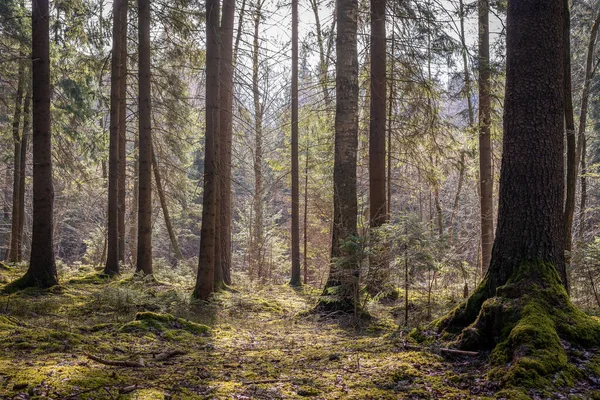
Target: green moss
[[159, 323], [6, 323]]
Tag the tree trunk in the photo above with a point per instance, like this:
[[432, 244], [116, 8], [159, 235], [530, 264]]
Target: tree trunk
[[256, 250], [112, 258], [122, 160], [23, 174], [341, 289], [226, 127], [42, 266], [580, 152], [583, 200], [165, 209], [486, 180], [521, 310], [305, 230], [13, 253], [296, 276], [133, 212], [378, 274], [206, 262], [144, 242], [572, 159]]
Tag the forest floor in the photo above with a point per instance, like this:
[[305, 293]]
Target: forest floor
[[256, 342]]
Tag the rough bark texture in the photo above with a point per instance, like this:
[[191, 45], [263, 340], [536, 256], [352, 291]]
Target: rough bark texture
[[571, 141], [206, 262], [377, 195], [144, 242], [486, 180], [226, 128], [521, 309], [296, 276], [13, 253], [122, 130], [42, 265], [342, 284], [112, 259], [23, 174]]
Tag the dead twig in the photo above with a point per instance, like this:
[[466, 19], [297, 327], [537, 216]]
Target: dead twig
[[259, 382], [116, 363], [168, 354], [444, 350]]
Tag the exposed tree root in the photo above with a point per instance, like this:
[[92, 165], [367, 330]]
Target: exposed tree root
[[528, 325]]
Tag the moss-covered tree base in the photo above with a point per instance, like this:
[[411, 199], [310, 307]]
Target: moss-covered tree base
[[529, 325], [30, 280]]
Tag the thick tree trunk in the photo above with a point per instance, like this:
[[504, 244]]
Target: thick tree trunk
[[122, 130], [521, 310], [296, 279], [144, 242], [341, 289], [571, 139], [486, 180], [23, 173], [112, 259], [378, 271], [42, 266], [13, 253], [206, 262], [165, 208], [226, 128]]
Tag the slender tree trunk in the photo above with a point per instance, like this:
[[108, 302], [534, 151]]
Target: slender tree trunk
[[23, 174], [133, 212], [324, 53], [122, 130], [13, 254], [572, 159], [305, 230], [296, 276], [390, 113], [165, 208], [378, 275], [240, 27], [206, 262], [344, 270], [42, 266], [112, 259], [144, 242], [226, 127], [583, 200], [580, 152], [486, 180], [257, 242]]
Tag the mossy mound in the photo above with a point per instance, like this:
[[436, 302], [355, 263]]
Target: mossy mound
[[6, 323], [529, 326], [162, 323]]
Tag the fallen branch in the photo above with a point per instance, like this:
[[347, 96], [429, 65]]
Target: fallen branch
[[444, 350], [168, 354], [130, 364], [266, 381]]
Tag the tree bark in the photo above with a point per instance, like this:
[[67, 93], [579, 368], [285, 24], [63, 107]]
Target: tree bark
[[256, 251], [581, 145], [572, 159], [122, 160], [226, 128], [165, 208], [206, 262], [23, 173], [13, 254], [112, 258], [486, 180], [344, 271], [296, 276], [42, 266], [377, 195], [144, 242], [305, 230]]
